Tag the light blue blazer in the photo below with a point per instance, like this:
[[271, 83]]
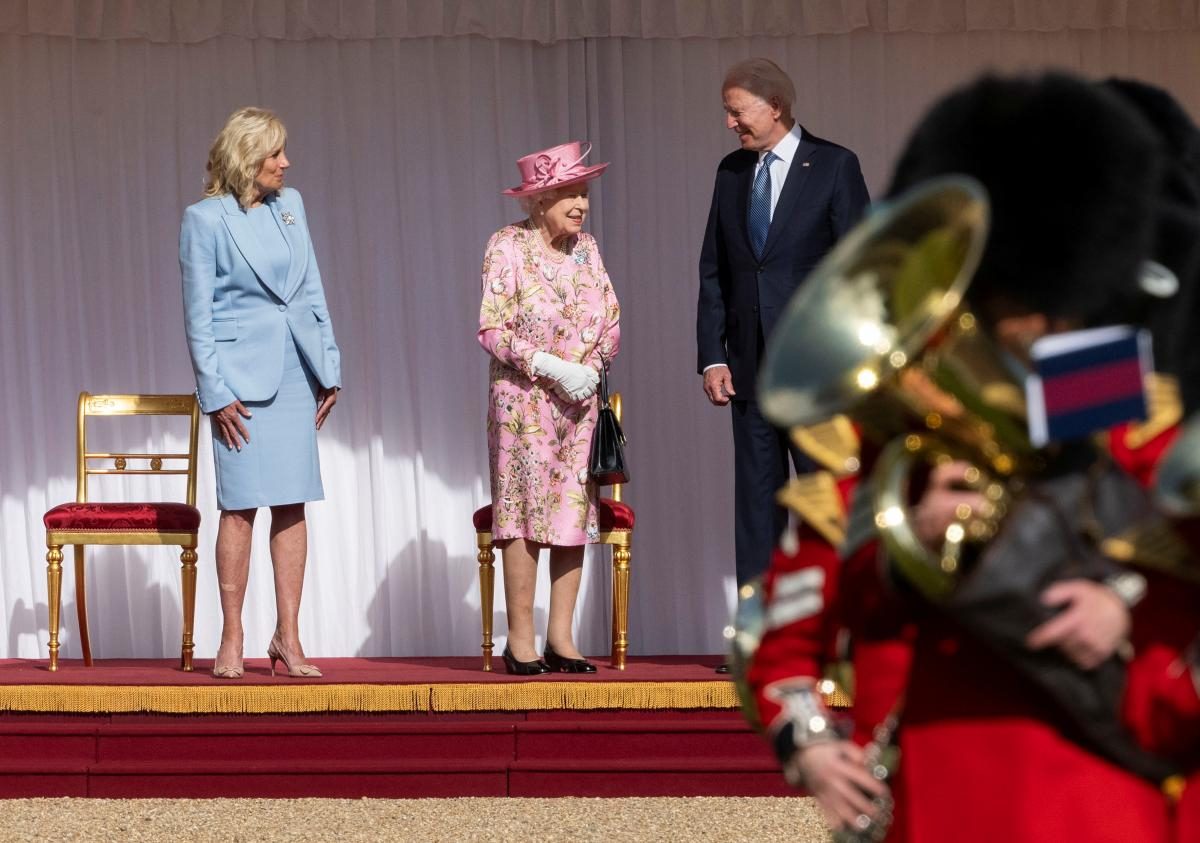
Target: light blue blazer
[[236, 312]]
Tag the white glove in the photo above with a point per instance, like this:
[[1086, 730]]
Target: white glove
[[572, 381]]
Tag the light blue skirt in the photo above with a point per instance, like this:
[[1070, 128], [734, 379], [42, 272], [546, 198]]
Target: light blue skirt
[[280, 464]]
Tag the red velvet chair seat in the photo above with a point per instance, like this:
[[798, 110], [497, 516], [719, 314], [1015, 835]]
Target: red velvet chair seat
[[101, 517], [613, 515]]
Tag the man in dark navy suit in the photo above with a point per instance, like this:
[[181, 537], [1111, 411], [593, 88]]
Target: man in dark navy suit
[[779, 204]]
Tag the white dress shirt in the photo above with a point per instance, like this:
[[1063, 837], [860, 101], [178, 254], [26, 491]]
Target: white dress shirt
[[785, 153]]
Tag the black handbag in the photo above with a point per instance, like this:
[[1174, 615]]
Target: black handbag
[[606, 464]]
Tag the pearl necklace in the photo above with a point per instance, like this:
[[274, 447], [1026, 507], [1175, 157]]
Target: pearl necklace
[[557, 254]]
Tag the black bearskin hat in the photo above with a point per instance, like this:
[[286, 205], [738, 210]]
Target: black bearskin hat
[[1071, 170], [1176, 241]]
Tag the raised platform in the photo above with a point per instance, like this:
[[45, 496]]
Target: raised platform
[[377, 728]]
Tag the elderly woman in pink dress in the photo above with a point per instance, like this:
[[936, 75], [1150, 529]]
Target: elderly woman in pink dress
[[549, 320]]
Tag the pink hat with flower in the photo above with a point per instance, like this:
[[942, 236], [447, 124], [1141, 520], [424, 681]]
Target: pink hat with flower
[[555, 167]]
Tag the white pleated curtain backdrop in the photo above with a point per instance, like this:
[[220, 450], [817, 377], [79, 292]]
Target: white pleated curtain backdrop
[[400, 147]]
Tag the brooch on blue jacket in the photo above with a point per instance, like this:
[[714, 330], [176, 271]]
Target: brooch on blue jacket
[[288, 218]]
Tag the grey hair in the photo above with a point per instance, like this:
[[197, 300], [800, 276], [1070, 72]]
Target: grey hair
[[763, 78], [529, 203], [549, 196]]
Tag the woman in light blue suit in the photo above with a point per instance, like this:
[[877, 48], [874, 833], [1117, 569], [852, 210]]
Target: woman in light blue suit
[[267, 368]]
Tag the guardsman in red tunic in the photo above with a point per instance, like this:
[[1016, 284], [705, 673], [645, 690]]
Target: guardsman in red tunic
[[1069, 238], [990, 752], [821, 613], [1162, 703]]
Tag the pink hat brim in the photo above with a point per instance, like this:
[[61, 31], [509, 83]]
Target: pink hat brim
[[587, 174]]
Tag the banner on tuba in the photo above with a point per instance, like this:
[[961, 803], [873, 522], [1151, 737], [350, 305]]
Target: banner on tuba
[[1087, 381]]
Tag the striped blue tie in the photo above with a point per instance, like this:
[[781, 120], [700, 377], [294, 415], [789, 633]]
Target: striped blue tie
[[758, 217]]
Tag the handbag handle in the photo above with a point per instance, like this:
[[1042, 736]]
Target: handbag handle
[[603, 390]]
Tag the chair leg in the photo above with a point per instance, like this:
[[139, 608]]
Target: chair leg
[[487, 583], [621, 557], [188, 573], [81, 604], [54, 558]]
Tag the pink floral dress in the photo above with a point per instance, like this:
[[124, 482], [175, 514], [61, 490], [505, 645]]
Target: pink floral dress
[[539, 299]]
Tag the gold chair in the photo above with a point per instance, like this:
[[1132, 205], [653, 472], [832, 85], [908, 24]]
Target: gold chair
[[84, 522], [616, 529]]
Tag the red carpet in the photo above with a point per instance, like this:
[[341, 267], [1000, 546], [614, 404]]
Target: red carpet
[[345, 671]]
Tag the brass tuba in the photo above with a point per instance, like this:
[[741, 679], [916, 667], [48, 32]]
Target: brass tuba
[[880, 332]]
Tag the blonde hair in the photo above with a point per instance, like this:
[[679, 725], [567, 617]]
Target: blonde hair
[[763, 78], [250, 136]]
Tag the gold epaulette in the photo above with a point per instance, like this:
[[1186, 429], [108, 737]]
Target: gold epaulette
[[1165, 408], [816, 501], [1154, 545], [833, 444]]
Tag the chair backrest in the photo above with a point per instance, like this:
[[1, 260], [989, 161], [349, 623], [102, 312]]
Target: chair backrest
[[614, 401], [135, 405]]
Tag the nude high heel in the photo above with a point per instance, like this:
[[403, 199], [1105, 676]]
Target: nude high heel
[[228, 671], [300, 671]]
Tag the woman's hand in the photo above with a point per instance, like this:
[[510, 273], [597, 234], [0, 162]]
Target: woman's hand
[[228, 421], [835, 773], [326, 398], [573, 382]]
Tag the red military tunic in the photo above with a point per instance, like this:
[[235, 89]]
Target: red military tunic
[[1162, 707], [820, 610], [984, 752], [984, 755]]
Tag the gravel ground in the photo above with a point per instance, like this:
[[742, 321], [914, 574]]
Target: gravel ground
[[692, 819]]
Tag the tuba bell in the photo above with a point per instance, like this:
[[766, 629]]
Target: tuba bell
[[880, 332]]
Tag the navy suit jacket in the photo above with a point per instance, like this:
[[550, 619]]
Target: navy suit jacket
[[823, 197]]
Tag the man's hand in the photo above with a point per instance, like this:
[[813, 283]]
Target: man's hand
[[718, 385], [1091, 626], [945, 501], [228, 421], [326, 398], [835, 773]]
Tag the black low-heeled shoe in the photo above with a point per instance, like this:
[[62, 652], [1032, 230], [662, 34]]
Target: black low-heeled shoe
[[533, 668], [560, 664]]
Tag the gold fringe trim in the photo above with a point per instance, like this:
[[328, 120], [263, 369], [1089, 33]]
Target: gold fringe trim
[[272, 699], [222, 699], [532, 696]]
